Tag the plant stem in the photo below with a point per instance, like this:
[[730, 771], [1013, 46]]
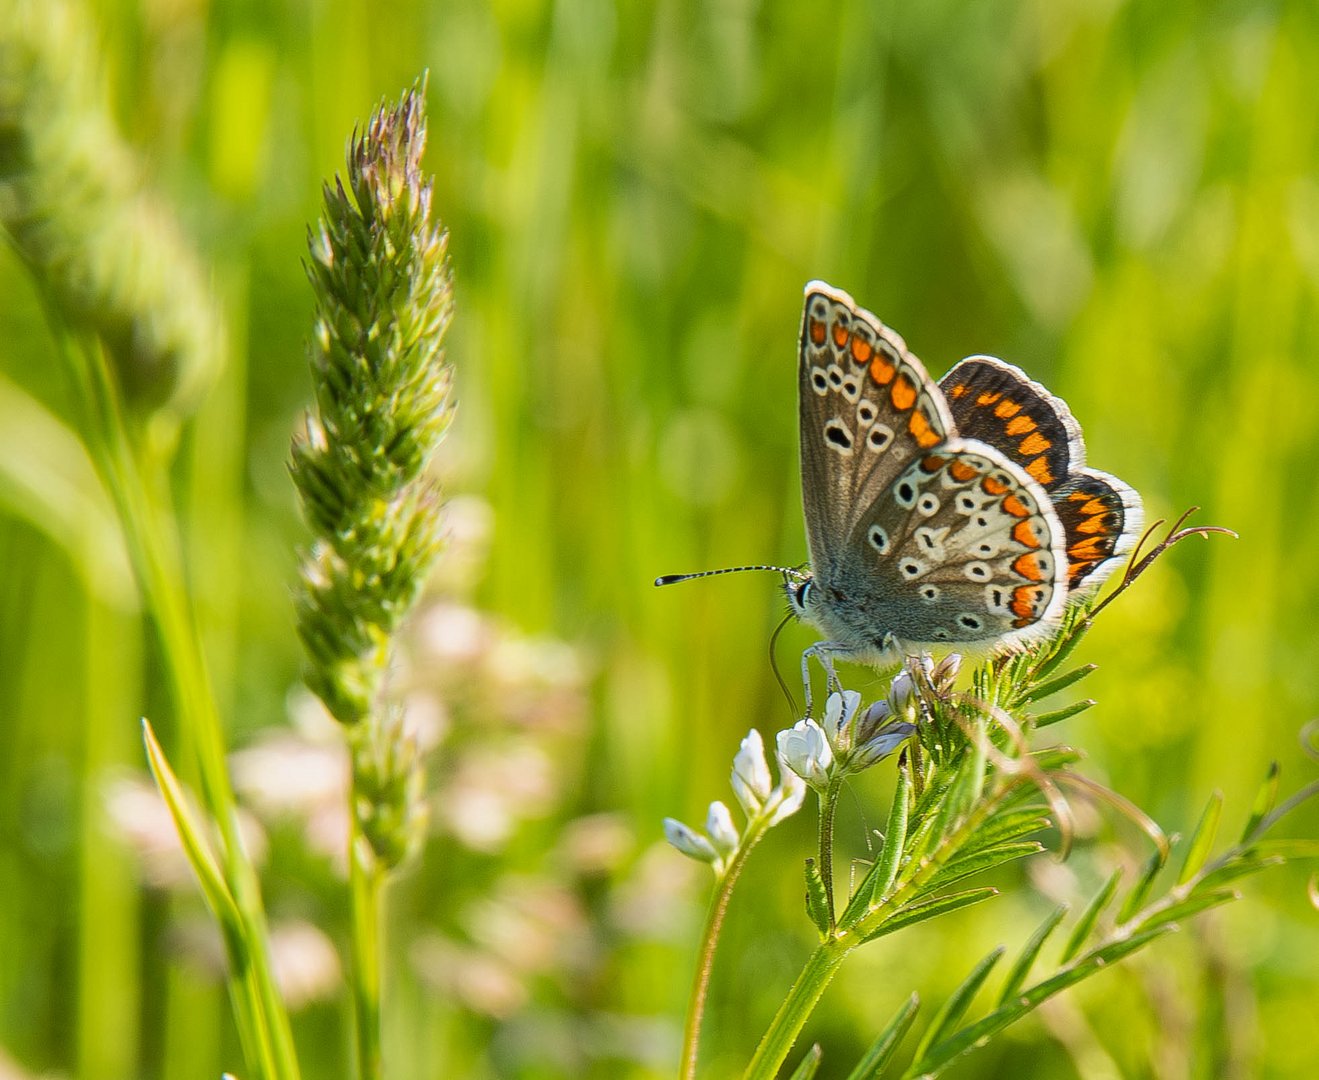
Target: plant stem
[[714, 921], [828, 810], [796, 1008], [365, 886], [154, 549]]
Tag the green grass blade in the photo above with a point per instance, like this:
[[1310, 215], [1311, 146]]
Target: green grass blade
[[1017, 975], [885, 1046], [958, 1002], [1203, 840], [1090, 916], [809, 1065]]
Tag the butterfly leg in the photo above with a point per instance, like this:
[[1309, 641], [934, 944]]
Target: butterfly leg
[[823, 651]]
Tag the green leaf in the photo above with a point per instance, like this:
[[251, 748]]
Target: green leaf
[[1192, 905], [1082, 627], [1090, 916], [885, 1046], [875, 886], [929, 909], [1053, 758], [1203, 839], [1265, 799], [810, 1064], [1135, 898], [1007, 826], [1017, 976], [195, 845], [955, 1007], [1057, 716], [968, 1037], [965, 866], [1056, 685], [817, 897], [1237, 866], [1298, 848]]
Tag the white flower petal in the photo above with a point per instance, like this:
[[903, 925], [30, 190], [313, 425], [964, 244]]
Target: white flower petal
[[723, 833], [751, 780], [689, 841]]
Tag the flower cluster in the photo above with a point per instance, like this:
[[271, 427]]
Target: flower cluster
[[849, 739], [763, 802]]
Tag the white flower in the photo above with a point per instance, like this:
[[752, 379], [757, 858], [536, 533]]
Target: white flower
[[838, 713], [689, 841], [721, 830], [751, 780], [787, 798], [805, 750]]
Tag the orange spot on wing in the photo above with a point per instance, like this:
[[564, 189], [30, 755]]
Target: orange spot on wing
[[817, 332], [958, 391], [1089, 549], [1093, 507], [861, 349], [1015, 507], [1034, 443], [881, 370], [992, 486], [933, 463], [1094, 524], [1039, 469], [1028, 566], [1018, 425], [923, 433], [1005, 409], [841, 335], [1024, 598], [962, 472], [987, 398], [1024, 533], [902, 393]]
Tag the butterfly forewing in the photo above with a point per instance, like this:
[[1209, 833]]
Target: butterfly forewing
[[998, 404], [868, 408]]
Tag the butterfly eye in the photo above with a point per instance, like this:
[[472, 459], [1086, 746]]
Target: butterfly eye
[[804, 592]]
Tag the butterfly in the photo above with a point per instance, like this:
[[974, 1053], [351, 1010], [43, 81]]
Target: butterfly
[[938, 514]]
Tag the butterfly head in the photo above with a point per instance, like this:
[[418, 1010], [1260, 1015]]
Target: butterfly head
[[803, 594]]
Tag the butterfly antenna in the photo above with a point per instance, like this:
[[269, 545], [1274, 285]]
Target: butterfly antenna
[[774, 664], [671, 579]]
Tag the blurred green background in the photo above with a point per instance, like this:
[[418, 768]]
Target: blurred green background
[[1121, 197]]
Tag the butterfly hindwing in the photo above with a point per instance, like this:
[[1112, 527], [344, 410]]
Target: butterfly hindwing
[[1101, 518], [868, 408], [962, 547]]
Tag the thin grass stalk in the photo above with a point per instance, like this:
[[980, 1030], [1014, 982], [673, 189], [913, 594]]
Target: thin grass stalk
[[714, 922], [153, 548]]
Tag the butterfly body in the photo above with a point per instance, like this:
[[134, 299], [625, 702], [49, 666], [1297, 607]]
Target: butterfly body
[[937, 514]]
